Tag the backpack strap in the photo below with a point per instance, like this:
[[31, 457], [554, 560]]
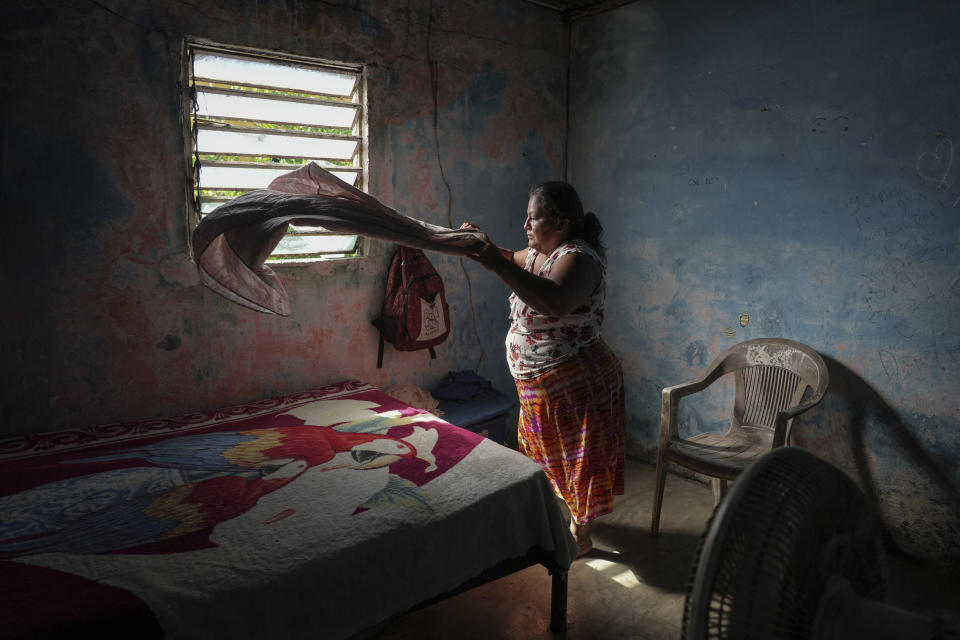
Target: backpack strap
[[383, 315]]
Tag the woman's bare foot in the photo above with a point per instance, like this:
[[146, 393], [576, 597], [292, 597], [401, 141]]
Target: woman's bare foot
[[581, 532]]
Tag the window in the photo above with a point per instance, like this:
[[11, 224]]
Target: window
[[255, 116]]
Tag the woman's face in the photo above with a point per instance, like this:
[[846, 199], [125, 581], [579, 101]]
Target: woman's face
[[544, 232]]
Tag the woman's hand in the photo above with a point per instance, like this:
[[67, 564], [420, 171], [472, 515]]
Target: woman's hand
[[483, 250]]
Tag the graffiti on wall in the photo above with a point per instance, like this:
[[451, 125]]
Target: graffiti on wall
[[901, 284]]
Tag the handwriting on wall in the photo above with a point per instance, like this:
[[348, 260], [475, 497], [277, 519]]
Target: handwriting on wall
[[936, 165], [705, 181], [903, 286], [837, 124]]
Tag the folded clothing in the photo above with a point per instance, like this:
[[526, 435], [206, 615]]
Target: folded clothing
[[461, 385]]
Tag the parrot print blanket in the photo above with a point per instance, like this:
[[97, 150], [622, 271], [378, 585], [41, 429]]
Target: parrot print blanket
[[332, 509]]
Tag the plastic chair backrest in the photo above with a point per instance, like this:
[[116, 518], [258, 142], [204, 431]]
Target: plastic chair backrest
[[771, 374]]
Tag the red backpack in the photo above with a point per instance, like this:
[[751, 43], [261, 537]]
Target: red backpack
[[415, 314]]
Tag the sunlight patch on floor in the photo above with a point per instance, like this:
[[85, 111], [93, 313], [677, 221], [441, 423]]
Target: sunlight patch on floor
[[597, 564], [626, 579]]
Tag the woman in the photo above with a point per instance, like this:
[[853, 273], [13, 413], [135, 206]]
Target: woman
[[570, 384]]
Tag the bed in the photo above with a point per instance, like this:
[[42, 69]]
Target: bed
[[325, 513]]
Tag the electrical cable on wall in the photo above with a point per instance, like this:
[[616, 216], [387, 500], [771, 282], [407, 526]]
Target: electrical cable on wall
[[434, 87], [193, 167]]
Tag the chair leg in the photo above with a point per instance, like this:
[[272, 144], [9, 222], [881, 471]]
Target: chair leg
[[661, 477], [719, 489]]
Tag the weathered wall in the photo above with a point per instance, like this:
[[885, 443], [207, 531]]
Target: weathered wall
[[104, 317], [793, 162]]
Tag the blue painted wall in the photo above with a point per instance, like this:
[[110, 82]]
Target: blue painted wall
[[788, 169]]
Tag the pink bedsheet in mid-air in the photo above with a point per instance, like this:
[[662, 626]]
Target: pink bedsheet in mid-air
[[232, 243]]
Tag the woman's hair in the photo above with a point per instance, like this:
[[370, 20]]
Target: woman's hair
[[560, 201]]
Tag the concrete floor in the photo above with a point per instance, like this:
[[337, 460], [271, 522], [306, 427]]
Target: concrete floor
[[632, 585]]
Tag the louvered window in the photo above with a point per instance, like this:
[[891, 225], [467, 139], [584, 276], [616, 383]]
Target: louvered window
[[257, 116]]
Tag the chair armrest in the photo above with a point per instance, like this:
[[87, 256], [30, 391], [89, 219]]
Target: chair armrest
[[687, 388], [670, 399], [780, 432]]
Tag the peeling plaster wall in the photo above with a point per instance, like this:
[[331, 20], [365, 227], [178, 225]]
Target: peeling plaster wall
[[788, 169], [105, 319]]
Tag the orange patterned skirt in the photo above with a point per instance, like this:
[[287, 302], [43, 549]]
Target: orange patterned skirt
[[572, 423]]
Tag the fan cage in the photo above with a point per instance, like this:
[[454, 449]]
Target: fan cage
[[790, 522]]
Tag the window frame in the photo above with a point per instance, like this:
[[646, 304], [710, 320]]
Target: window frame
[[192, 154]]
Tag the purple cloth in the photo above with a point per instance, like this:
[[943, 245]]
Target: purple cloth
[[461, 385], [231, 244]]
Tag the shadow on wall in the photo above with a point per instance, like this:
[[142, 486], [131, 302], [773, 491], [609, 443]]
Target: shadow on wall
[[914, 491]]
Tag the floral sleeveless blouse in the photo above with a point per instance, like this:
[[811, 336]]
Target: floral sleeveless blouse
[[537, 342]]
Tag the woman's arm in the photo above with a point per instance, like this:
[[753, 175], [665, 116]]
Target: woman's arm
[[519, 258], [572, 279]]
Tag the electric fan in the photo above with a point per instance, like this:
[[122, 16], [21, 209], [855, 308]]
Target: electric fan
[[794, 552]]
